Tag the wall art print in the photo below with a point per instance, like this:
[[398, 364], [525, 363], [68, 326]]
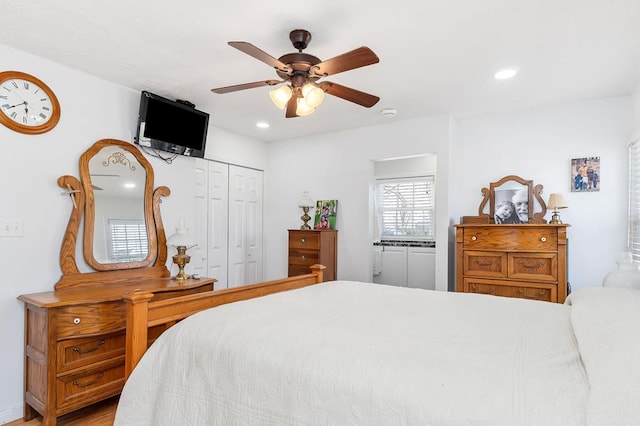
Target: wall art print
[[585, 174], [326, 214]]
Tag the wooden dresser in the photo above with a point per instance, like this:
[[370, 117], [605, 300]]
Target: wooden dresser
[[308, 247], [526, 261], [75, 343]]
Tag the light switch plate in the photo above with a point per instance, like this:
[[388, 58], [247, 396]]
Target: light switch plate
[[11, 227]]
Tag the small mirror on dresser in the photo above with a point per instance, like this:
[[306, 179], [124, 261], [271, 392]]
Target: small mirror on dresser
[[510, 200]]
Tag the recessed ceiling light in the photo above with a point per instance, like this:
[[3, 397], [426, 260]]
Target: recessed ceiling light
[[505, 74], [262, 125]]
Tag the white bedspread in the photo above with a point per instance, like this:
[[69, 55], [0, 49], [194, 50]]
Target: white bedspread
[[349, 353]]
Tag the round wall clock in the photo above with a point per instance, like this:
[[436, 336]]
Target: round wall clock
[[27, 104]]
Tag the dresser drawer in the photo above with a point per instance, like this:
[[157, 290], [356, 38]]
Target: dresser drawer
[[91, 385], [295, 270], [533, 291], [87, 319], [303, 257], [533, 266], [304, 240], [510, 238], [485, 264], [74, 353]]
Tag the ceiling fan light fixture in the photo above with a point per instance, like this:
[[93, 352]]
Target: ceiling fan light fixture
[[313, 95], [303, 108], [281, 96]]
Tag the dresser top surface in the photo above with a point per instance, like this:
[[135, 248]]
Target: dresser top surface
[[50, 299], [519, 225]]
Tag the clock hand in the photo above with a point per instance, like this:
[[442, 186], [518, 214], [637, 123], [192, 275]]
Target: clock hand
[[13, 106]]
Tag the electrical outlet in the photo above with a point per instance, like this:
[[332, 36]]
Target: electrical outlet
[[11, 228]]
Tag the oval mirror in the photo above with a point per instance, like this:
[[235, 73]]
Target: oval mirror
[[118, 231]]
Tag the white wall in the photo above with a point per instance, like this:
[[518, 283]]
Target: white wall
[[636, 109], [340, 166], [539, 145], [92, 109]]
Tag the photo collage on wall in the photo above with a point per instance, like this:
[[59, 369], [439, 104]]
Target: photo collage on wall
[[326, 214], [585, 174]]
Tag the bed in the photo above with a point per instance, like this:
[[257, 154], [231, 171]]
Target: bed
[[353, 353]]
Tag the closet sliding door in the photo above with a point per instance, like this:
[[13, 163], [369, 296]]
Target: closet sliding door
[[229, 223]]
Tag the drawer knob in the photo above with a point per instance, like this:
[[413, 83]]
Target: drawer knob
[[474, 238], [302, 257], [303, 241], [76, 320], [543, 239]]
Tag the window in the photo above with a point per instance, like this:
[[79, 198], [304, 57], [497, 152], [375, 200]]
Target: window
[[633, 238], [405, 208], [127, 240]]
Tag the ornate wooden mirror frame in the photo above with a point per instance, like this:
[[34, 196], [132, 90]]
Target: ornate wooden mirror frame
[[510, 194], [125, 157]]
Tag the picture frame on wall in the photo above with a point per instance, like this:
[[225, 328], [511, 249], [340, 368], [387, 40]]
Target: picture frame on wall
[[585, 174], [325, 214]]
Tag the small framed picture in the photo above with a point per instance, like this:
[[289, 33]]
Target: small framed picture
[[326, 214], [585, 174]]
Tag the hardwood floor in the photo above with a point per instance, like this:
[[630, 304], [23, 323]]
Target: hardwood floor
[[100, 414]]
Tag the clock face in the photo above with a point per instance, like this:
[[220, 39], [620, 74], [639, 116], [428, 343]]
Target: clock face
[[27, 104]]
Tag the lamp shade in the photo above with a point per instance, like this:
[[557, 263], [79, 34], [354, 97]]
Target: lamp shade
[[313, 95], [182, 236], [303, 108], [281, 96], [305, 200], [556, 202]]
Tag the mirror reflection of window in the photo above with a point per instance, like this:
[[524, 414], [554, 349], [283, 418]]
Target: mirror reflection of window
[[127, 240]]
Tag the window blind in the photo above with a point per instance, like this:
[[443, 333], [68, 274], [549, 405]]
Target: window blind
[[406, 208], [633, 238], [128, 240]]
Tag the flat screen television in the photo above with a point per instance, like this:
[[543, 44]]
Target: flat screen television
[[171, 126]]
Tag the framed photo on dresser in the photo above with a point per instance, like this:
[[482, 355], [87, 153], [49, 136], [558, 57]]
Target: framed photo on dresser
[[326, 214]]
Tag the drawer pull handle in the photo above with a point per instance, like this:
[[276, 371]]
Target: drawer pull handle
[[303, 241], [475, 289], [535, 266], [543, 239], [93, 382], [302, 257], [484, 263], [474, 238], [81, 352], [538, 295], [76, 320]]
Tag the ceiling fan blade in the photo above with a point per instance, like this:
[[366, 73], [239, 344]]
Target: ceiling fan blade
[[292, 106], [349, 94], [357, 58], [260, 55], [235, 88]]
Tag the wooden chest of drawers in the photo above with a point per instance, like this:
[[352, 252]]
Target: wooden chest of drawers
[[75, 343], [308, 247], [526, 261]]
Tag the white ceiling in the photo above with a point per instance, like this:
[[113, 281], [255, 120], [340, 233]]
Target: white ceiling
[[436, 56]]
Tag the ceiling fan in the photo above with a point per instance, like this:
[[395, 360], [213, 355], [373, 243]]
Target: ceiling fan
[[301, 71]]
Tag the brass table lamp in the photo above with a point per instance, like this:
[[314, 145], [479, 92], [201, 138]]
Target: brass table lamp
[[182, 240]]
